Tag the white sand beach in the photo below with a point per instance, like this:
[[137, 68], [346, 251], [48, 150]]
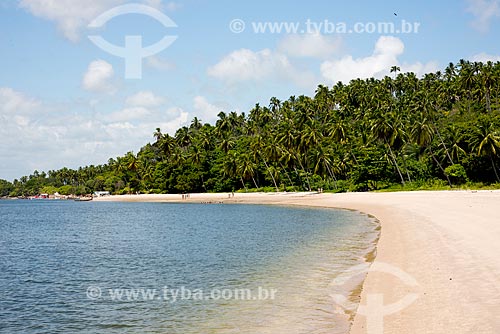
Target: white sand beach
[[448, 242]]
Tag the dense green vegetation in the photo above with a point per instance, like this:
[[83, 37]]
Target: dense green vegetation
[[437, 131]]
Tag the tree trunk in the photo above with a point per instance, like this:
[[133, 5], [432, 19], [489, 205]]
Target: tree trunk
[[307, 177], [406, 168], [469, 101], [497, 97], [488, 100], [300, 178], [396, 164], [332, 175], [442, 143], [440, 167], [243, 183], [354, 157], [494, 167], [287, 174], [255, 183], [203, 183], [272, 176]]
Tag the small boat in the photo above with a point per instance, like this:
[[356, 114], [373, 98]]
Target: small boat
[[83, 199]]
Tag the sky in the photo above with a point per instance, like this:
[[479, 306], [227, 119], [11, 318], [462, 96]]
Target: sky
[[67, 102]]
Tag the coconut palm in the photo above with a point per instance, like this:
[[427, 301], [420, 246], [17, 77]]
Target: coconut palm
[[487, 142], [384, 131]]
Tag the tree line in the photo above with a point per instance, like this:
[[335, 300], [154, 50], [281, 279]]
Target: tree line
[[400, 132]]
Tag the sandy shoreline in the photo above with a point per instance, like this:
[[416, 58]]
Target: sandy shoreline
[[447, 242]]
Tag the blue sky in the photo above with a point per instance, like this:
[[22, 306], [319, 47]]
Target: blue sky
[[66, 102]]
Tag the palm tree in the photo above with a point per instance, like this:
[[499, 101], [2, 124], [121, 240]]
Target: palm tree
[[486, 75], [183, 137], [157, 135], [195, 124], [384, 131], [230, 165], [422, 135], [226, 143], [222, 126], [196, 156], [323, 163], [424, 105], [205, 137], [467, 79], [246, 168], [487, 140], [274, 107], [395, 70], [455, 137], [259, 149], [167, 145]]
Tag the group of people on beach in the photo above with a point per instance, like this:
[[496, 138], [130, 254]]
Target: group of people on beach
[[187, 196]]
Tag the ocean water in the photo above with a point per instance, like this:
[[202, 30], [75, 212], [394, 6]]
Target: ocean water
[[95, 267]]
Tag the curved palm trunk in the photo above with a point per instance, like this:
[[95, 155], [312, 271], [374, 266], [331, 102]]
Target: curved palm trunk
[[307, 177], [332, 175], [442, 143], [300, 178], [243, 183], [354, 157], [405, 167], [440, 167], [255, 183], [286, 173], [272, 176], [395, 163]]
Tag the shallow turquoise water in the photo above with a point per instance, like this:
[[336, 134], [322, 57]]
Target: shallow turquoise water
[[55, 256]]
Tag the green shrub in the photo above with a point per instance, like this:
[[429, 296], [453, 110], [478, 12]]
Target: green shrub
[[457, 174], [66, 190], [51, 190]]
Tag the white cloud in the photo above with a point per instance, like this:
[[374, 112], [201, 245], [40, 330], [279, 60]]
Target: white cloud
[[385, 55], [246, 65], [172, 6], [69, 15], [41, 136], [419, 68], [98, 77], [72, 16], [310, 45], [158, 4], [181, 118], [483, 11], [204, 110], [159, 64], [12, 101], [128, 114], [484, 57], [144, 99], [21, 120]]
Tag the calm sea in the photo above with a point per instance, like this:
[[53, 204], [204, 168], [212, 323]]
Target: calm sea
[[94, 267]]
